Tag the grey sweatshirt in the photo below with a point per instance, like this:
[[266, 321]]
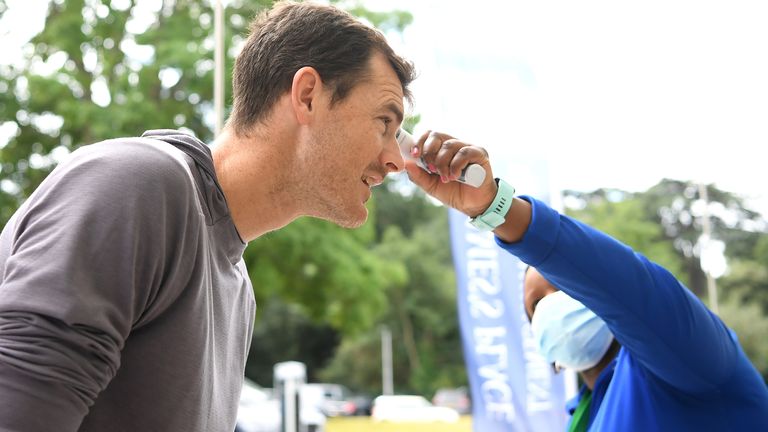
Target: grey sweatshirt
[[124, 304]]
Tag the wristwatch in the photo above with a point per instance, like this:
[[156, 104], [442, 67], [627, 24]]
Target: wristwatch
[[496, 213]]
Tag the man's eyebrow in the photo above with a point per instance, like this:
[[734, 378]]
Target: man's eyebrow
[[391, 106]]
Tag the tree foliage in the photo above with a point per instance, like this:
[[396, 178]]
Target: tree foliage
[[101, 70], [678, 206], [750, 322], [422, 312]]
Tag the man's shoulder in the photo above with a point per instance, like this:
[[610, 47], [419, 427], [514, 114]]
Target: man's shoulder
[[131, 152], [124, 175], [128, 164]]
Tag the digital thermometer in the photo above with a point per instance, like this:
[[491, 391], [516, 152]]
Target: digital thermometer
[[473, 175]]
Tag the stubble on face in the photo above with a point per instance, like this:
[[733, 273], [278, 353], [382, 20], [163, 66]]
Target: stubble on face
[[329, 189]]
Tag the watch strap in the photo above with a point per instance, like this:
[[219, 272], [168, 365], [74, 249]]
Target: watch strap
[[496, 213]]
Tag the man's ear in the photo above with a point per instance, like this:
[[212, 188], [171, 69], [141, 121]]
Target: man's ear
[[305, 93]]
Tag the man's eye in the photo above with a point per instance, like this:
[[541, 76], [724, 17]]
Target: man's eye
[[386, 122]]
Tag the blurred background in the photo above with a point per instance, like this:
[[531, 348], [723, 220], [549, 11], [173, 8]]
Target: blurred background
[[649, 119]]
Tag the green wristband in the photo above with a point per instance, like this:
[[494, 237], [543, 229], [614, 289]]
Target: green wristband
[[497, 212]]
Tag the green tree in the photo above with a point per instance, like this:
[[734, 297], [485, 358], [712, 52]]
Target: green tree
[[744, 307], [747, 280], [679, 208], [421, 312], [332, 272], [284, 332], [101, 70], [750, 322]]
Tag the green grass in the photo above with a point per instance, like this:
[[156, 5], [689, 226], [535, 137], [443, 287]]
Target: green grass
[[365, 424]]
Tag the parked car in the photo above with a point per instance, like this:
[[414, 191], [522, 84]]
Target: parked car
[[310, 414], [410, 408], [259, 410], [362, 404], [456, 398], [337, 399]]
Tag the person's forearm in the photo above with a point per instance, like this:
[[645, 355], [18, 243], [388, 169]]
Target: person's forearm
[[651, 314], [31, 404], [516, 222]]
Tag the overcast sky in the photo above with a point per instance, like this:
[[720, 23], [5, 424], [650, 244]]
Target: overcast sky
[[606, 93]]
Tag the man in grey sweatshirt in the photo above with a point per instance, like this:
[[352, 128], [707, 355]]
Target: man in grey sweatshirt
[[125, 304]]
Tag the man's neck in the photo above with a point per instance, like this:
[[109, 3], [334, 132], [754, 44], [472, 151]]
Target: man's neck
[[256, 174], [590, 375]]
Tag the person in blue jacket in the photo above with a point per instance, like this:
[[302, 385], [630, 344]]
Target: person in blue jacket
[[651, 355]]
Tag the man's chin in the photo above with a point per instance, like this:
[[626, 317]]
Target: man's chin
[[351, 218], [345, 217]]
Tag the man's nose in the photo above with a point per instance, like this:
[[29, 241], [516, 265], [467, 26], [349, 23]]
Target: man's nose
[[392, 159]]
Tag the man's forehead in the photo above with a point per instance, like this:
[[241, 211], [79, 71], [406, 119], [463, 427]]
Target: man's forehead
[[383, 74], [388, 92]]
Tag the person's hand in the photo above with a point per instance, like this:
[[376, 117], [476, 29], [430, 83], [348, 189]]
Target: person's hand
[[446, 157]]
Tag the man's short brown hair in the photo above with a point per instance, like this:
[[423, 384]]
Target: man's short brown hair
[[292, 35]]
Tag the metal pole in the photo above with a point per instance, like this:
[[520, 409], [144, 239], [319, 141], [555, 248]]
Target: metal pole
[[289, 408], [218, 73], [386, 361], [707, 232], [289, 378]]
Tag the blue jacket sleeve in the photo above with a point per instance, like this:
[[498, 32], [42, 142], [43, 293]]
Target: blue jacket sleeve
[[659, 321]]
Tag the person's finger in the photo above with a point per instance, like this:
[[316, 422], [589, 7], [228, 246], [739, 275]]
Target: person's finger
[[448, 150], [417, 151], [431, 147], [464, 156]]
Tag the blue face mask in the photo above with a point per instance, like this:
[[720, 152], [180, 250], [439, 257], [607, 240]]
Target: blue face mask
[[568, 334]]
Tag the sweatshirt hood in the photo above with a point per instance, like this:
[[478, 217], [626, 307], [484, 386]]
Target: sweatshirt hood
[[209, 187]]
